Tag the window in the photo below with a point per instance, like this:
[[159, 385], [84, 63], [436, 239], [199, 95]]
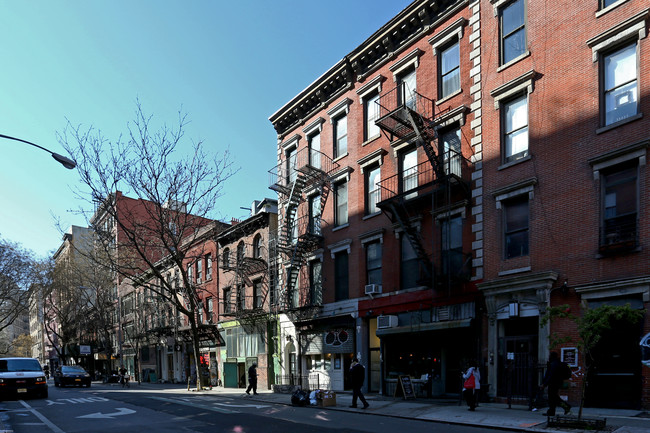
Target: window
[[452, 245], [371, 114], [210, 308], [225, 257], [373, 262], [341, 275], [409, 171], [449, 70], [257, 294], [190, 273], [227, 301], [410, 266], [606, 3], [619, 84], [241, 252], [408, 88], [619, 206], [341, 203], [314, 215], [199, 271], [451, 153], [314, 150], [316, 282], [208, 267], [373, 193], [340, 136], [516, 227], [292, 158], [515, 128], [513, 31], [257, 246]]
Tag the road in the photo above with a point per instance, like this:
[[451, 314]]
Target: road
[[111, 409]]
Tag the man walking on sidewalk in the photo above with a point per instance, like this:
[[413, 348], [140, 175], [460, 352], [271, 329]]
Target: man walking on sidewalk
[[553, 380], [252, 379], [357, 376]]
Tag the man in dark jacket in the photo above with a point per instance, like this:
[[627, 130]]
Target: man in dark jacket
[[357, 376], [252, 379], [553, 380]]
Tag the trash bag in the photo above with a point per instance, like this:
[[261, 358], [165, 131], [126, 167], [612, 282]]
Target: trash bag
[[299, 398], [313, 397]]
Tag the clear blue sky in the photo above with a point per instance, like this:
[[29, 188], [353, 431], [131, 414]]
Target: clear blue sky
[[228, 64]]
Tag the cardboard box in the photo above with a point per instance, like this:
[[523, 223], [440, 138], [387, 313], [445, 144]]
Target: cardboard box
[[326, 398]]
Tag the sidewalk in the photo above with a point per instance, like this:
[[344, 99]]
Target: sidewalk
[[490, 415]]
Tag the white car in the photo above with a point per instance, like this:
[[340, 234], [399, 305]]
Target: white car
[[21, 377]]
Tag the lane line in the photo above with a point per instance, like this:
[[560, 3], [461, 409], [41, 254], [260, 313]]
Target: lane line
[[194, 404], [44, 420]]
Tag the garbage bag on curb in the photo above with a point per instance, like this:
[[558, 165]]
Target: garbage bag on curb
[[299, 398], [313, 397]]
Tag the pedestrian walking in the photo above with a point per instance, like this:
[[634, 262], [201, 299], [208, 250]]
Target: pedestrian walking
[[553, 379], [357, 376], [252, 379], [471, 385]]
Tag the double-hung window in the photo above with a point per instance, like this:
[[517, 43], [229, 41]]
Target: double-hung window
[[257, 294], [516, 227], [451, 152], [452, 245], [409, 172], [340, 135], [373, 262], [512, 24], [227, 301], [371, 114], [208, 267], [315, 215], [341, 276], [449, 70], [341, 203], [619, 206], [408, 88], [373, 177], [410, 264], [515, 128], [316, 282], [619, 97]]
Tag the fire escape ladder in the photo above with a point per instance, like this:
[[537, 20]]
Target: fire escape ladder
[[413, 236], [425, 137]]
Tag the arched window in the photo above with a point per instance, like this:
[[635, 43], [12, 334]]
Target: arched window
[[257, 246], [241, 251]]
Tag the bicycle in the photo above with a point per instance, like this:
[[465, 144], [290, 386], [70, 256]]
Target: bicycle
[[124, 380]]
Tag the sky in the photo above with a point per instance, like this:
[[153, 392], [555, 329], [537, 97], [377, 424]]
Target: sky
[[229, 65]]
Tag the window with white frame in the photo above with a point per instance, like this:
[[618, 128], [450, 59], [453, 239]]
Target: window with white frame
[[315, 215], [409, 171], [373, 193], [341, 203], [516, 227], [449, 70], [619, 84], [316, 282], [340, 135], [208, 267], [512, 26], [515, 128], [451, 150], [373, 262], [371, 114]]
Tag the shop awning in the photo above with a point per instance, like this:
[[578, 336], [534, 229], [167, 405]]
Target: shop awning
[[425, 327]]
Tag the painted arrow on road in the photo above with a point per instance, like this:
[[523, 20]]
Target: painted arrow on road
[[120, 411]]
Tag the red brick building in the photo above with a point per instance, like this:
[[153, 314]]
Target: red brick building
[[440, 185], [565, 101]]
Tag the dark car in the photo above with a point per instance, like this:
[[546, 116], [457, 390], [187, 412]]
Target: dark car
[[71, 375], [21, 377]]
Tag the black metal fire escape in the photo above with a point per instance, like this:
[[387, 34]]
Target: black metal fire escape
[[300, 231], [409, 116]]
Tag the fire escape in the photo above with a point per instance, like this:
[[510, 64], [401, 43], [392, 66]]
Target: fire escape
[[307, 171], [445, 175], [246, 309]]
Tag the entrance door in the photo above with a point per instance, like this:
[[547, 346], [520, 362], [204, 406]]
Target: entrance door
[[518, 358], [230, 375], [170, 367]]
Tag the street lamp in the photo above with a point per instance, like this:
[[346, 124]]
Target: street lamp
[[64, 161]]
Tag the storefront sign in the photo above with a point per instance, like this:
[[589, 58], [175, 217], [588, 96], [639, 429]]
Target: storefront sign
[[404, 387], [570, 356]]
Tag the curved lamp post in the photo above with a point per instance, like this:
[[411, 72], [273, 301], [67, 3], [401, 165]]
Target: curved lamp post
[[64, 161]]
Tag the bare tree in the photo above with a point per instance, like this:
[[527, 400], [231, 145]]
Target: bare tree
[[18, 275], [176, 193]]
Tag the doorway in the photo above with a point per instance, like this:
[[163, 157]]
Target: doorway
[[518, 358]]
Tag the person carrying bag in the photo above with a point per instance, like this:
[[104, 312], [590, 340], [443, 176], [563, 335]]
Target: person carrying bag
[[472, 384]]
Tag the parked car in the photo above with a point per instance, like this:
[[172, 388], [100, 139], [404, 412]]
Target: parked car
[[21, 377], [71, 375]]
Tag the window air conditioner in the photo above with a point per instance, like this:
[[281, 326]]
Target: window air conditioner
[[386, 322], [373, 289]]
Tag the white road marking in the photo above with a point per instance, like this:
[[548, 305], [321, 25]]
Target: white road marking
[[44, 420], [120, 411], [194, 404]]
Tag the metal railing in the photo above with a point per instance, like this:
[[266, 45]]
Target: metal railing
[[312, 163], [392, 109], [308, 382], [423, 175]]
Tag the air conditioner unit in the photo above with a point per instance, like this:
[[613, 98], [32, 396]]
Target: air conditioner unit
[[386, 322], [373, 289]]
